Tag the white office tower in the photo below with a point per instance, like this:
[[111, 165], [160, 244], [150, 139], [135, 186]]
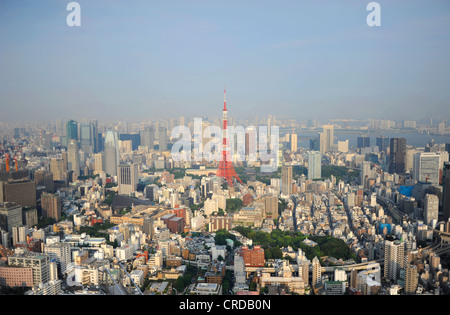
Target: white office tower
[[128, 178], [365, 173], [394, 259], [99, 162], [73, 158], [60, 253], [316, 271], [53, 270], [112, 155], [326, 138], [431, 208], [314, 165], [303, 266], [239, 269], [426, 167], [340, 275], [19, 234], [373, 199]]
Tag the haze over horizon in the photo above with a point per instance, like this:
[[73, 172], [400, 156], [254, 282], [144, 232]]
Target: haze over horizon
[[147, 60]]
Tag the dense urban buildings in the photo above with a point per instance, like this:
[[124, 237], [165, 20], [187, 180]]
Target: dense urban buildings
[[136, 208], [325, 172]]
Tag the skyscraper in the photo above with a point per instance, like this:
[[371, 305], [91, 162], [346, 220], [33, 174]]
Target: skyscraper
[[162, 138], [446, 192], [89, 137], [314, 144], [22, 192], [44, 178], [412, 279], [73, 158], [286, 180], [99, 165], [148, 137], [394, 258], [397, 155], [51, 206], [61, 253], [365, 171], [326, 138], [71, 130], [293, 142], [128, 178], [431, 208], [135, 139], [314, 165], [382, 143], [316, 272], [112, 155], [57, 169], [363, 142], [426, 167]]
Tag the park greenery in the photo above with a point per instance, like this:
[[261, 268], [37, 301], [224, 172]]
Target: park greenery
[[274, 241], [233, 204]]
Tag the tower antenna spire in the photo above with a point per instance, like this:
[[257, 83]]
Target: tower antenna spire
[[224, 97], [226, 169]]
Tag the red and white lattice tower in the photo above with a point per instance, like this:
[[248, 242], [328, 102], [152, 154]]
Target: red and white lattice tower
[[226, 169]]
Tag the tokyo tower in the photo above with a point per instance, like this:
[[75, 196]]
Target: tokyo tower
[[226, 169]]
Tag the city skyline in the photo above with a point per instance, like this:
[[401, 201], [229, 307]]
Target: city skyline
[[299, 60]]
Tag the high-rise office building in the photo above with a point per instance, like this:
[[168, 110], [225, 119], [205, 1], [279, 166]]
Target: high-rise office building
[[73, 158], [397, 155], [314, 144], [99, 162], [271, 206], [135, 139], [65, 159], [394, 258], [112, 155], [19, 234], [293, 142], [59, 128], [431, 209], [316, 272], [326, 138], [57, 169], [412, 279], [22, 192], [162, 140], [149, 192], [286, 180], [382, 143], [89, 137], [148, 137], [51, 206], [342, 146], [128, 178], [11, 216], [314, 165], [365, 173], [426, 167], [446, 191], [45, 179], [71, 130], [61, 253], [363, 142], [37, 261]]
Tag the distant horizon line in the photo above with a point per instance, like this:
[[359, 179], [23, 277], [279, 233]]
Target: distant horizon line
[[421, 121]]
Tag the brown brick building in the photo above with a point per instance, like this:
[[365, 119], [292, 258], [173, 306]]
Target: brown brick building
[[16, 276], [253, 257]]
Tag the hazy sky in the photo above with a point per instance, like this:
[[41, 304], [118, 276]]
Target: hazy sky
[[148, 59]]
